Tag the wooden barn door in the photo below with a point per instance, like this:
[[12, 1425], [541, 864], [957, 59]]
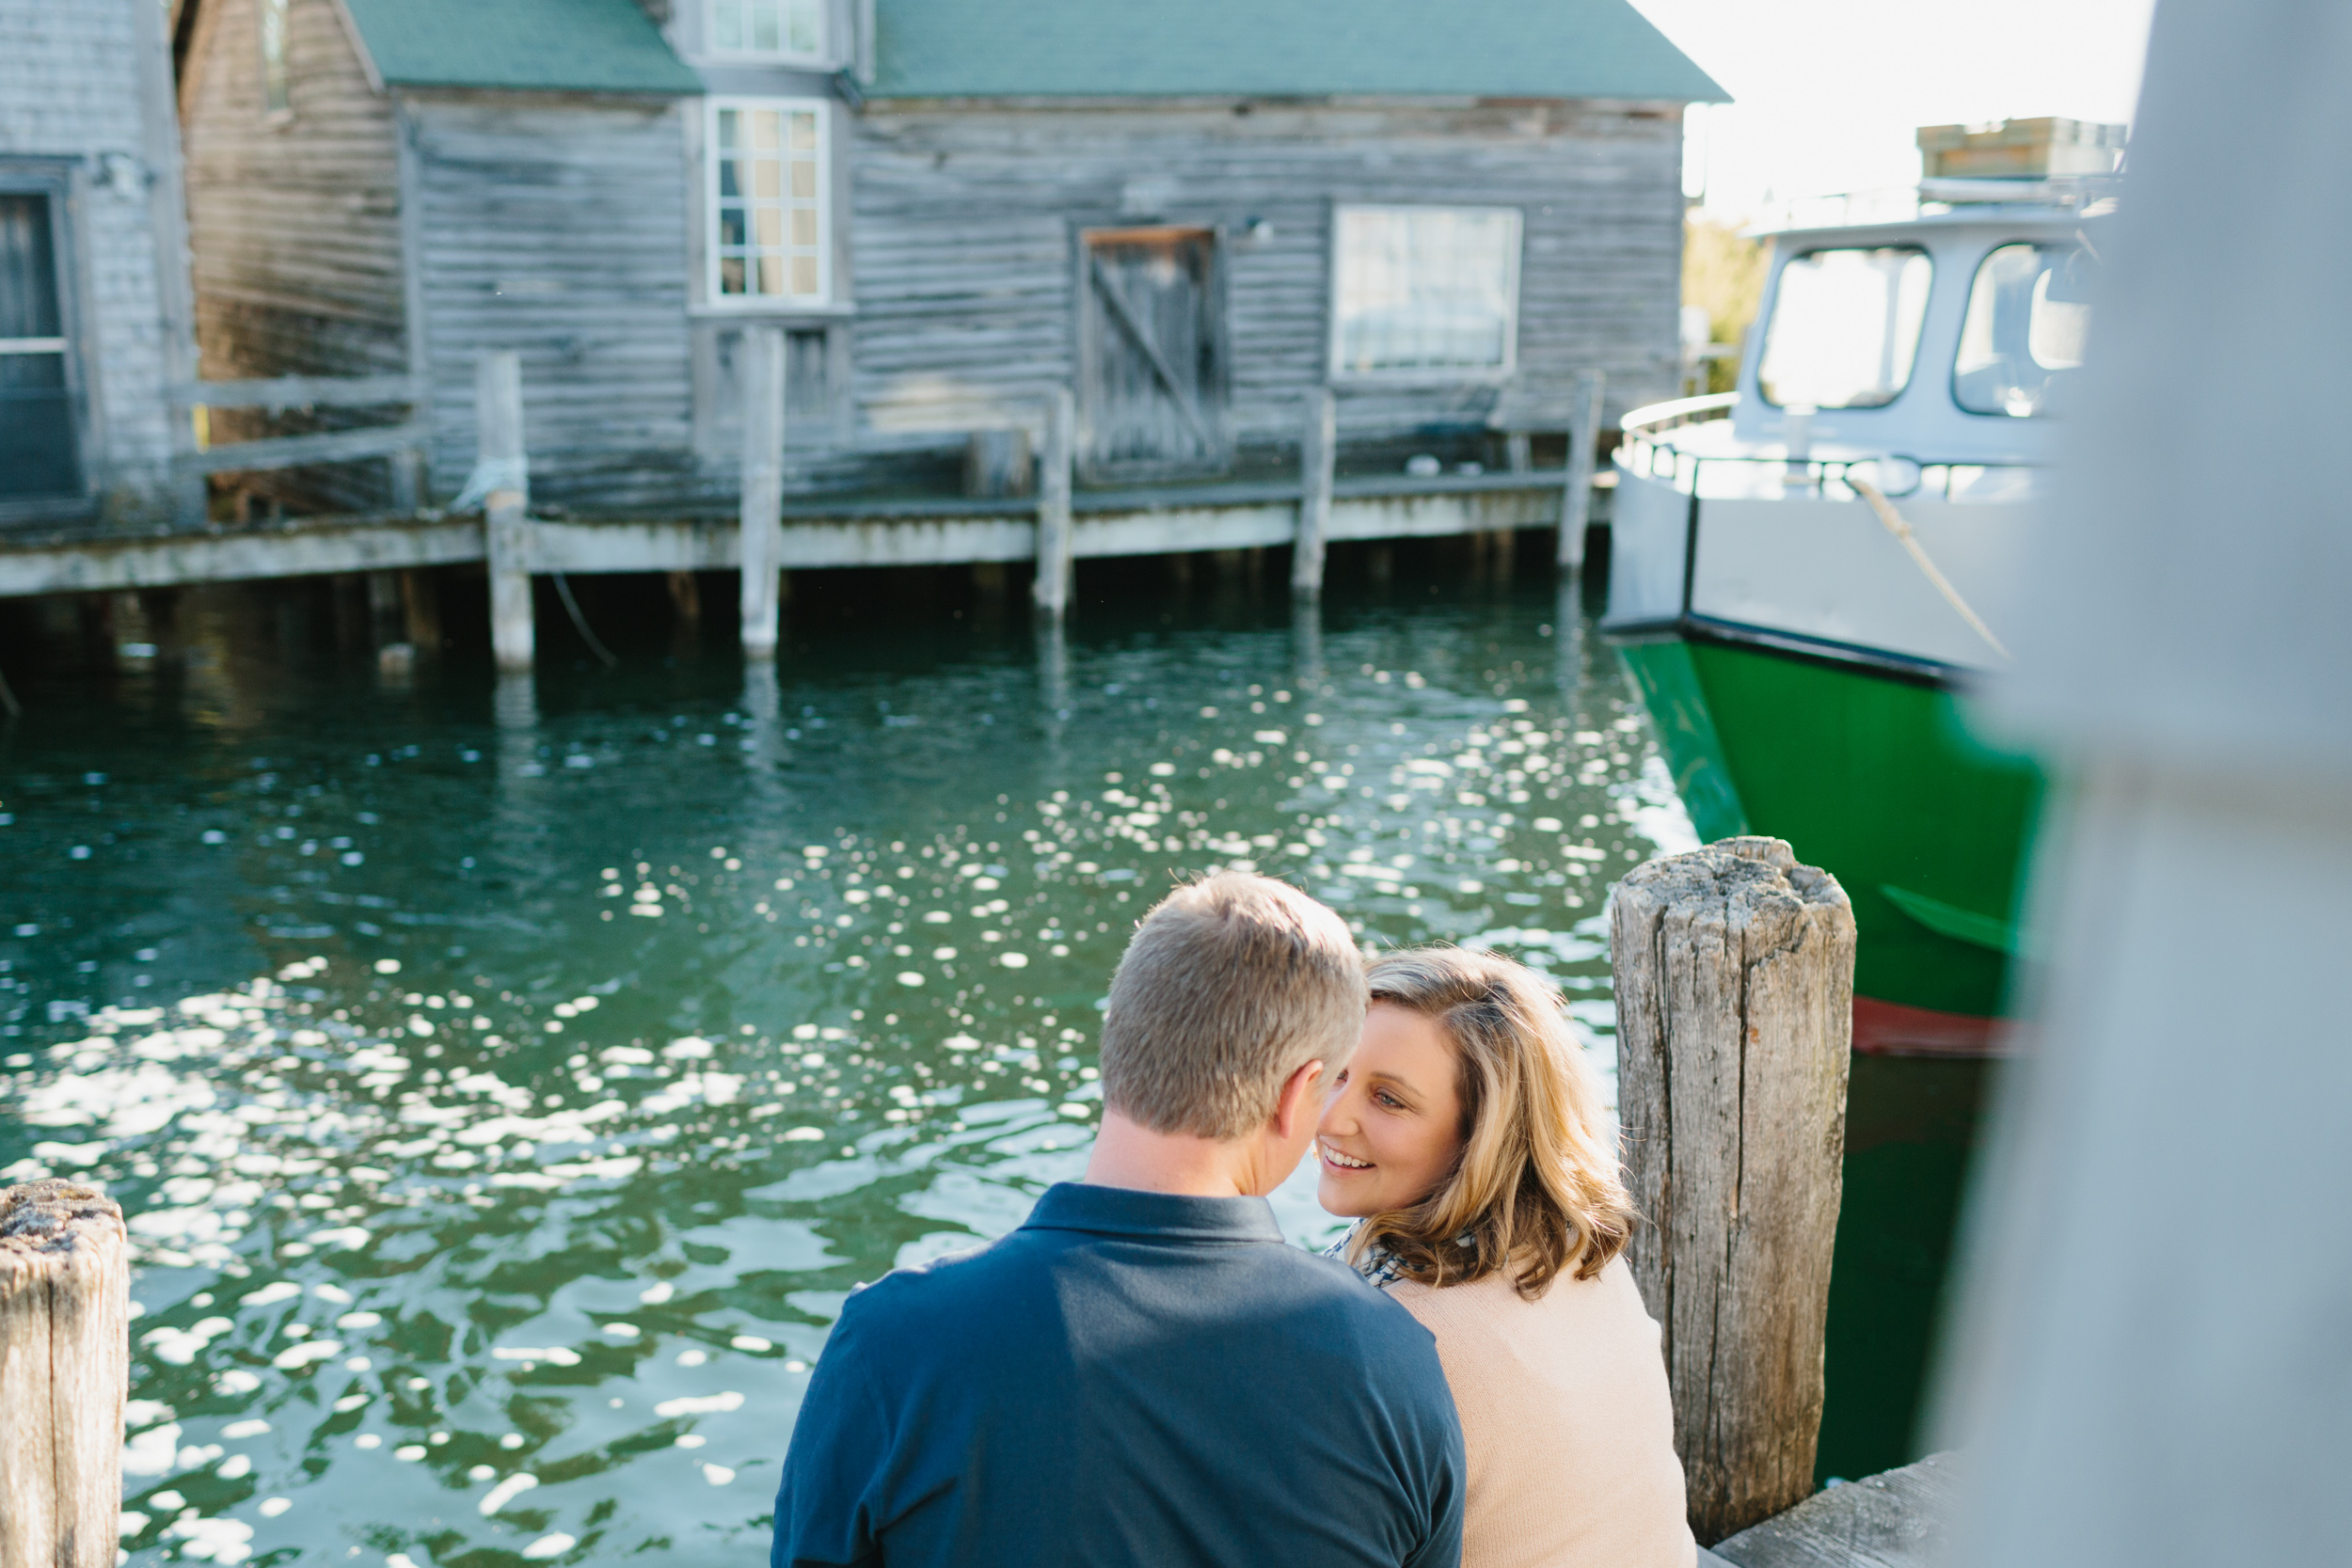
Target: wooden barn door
[[1151, 355], [38, 454]]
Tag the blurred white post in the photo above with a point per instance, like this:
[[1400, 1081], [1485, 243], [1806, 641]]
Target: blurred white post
[[506, 520], [763, 488], [1318, 459], [2151, 1364], [1576, 481], [1051, 587]]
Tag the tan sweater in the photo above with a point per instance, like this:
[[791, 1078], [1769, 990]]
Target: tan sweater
[[1566, 1422]]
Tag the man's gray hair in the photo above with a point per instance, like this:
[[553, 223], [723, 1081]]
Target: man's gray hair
[[1231, 984]]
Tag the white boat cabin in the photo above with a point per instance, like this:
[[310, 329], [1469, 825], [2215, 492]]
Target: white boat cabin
[[1931, 357]]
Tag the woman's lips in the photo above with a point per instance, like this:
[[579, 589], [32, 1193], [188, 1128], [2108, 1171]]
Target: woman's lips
[[1334, 1160]]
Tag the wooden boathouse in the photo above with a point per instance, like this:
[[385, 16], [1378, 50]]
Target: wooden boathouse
[[1348, 266], [95, 327]]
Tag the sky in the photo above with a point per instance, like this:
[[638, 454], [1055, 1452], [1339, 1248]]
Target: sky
[[1827, 93]]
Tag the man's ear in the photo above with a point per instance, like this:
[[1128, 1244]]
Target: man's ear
[[1301, 1096]]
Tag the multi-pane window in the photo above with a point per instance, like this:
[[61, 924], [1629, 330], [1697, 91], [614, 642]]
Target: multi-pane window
[[794, 28], [1425, 291], [275, 98], [767, 201]]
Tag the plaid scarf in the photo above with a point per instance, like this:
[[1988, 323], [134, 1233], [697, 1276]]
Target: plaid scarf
[[1379, 1265]]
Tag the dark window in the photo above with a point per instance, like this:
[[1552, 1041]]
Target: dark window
[[38, 455]]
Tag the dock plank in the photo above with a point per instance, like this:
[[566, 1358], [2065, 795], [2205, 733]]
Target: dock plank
[[1898, 1519]]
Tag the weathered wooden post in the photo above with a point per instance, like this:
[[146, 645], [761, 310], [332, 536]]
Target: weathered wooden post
[[420, 606], [506, 522], [1051, 587], [1734, 969], [1575, 483], [65, 1360], [387, 609], [763, 487], [999, 464], [1318, 456]]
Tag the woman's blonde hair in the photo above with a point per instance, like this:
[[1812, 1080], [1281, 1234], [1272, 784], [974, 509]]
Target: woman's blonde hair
[[1535, 1188]]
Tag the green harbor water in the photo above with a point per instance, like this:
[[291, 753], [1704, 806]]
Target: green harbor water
[[507, 1083]]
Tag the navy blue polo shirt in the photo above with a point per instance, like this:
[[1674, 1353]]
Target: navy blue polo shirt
[[1128, 1378]]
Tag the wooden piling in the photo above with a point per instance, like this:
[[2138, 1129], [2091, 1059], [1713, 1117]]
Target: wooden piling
[[686, 597], [1052, 587], [1576, 482], [1318, 456], [763, 487], [387, 610], [421, 603], [65, 1357], [1734, 971], [999, 464], [506, 522]]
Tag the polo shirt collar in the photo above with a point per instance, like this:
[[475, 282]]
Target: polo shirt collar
[[1159, 1217]]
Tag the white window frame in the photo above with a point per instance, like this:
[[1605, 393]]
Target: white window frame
[[1424, 374], [713, 154], [785, 54]]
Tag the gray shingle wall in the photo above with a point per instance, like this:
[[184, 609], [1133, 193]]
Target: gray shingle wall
[[964, 252], [72, 89]]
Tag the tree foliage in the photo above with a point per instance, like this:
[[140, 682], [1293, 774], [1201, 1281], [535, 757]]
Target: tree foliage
[[1722, 271]]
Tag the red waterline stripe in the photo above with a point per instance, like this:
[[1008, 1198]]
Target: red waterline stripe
[[1892, 1029]]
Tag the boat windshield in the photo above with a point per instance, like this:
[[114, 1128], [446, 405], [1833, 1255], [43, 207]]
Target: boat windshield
[[2029, 313], [1845, 327]]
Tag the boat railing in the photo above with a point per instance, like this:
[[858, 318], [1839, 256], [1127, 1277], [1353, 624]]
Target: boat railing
[[1653, 417], [1895, 475]]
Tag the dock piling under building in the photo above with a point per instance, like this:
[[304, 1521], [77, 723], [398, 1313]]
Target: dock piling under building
[[1054, 526]]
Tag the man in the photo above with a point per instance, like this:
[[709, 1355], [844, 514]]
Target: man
[[1145, 1372]]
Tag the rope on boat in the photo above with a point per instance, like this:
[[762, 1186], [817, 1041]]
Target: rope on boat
[[1903, 535]]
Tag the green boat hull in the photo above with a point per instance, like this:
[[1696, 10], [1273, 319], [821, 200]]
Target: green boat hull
[[1871, 774]]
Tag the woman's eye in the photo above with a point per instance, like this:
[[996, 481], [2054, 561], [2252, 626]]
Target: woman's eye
[[1385, 1098]]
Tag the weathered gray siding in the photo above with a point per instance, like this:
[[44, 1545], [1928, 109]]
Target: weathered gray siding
[[83, 88], [295, 226], [295, 219], [965, 217], [556, 225]]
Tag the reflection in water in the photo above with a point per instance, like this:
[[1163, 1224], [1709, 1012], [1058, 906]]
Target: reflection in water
[[506, 1094]]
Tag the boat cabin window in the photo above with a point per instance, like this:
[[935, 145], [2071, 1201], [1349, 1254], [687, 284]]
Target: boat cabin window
[[1845, 327], [2028, 312]]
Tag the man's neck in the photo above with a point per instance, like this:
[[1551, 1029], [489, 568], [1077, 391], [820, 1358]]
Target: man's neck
[[1129, 1154]]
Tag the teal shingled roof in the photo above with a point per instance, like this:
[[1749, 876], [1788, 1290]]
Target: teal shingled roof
[[1280, 49], [534, 46]]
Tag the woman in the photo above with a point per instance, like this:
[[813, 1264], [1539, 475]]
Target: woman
[[1467, 1137]]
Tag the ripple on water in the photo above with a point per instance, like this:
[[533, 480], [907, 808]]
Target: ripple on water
[[506, 1203]]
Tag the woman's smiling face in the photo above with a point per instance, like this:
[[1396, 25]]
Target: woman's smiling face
[[1393, 1126]]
